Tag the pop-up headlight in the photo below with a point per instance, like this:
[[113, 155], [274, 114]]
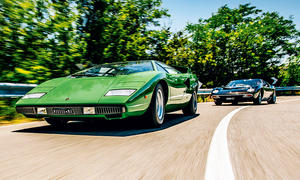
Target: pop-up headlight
[[120, 92], [215, 91], [33, 96]]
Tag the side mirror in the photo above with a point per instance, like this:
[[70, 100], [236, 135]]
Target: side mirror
[[274, 80]]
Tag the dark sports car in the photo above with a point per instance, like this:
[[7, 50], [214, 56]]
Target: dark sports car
[[245, 90], [114, 91]]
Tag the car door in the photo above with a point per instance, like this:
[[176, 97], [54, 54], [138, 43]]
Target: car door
[[267, 89], [176, 81]]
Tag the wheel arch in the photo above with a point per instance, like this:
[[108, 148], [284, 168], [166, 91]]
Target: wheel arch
[[165, 87]]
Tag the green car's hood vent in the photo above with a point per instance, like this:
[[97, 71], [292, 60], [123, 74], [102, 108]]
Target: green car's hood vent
[[83, 91]]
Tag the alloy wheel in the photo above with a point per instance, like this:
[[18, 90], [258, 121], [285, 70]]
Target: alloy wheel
[[160, 105]]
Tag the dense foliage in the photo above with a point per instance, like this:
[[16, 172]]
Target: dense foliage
[[241, 43], [44, 39]]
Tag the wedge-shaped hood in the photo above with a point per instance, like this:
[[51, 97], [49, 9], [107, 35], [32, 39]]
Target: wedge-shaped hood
[[86, 90], [81, 90]]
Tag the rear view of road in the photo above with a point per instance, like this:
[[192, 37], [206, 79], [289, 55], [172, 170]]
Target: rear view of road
[[263, 143]]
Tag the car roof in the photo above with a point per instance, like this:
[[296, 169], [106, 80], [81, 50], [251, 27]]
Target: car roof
[[246, 79]]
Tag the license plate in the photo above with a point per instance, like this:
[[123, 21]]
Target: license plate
[[230, 98], [63, 111]]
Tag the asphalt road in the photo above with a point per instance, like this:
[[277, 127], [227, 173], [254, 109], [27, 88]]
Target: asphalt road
[[263, 143]]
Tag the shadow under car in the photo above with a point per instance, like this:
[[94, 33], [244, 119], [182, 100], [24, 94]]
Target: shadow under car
[[119, 128]]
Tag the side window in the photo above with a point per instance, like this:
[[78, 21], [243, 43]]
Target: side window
[[172, 70], [169, 69], [159, 68], [266, 84]]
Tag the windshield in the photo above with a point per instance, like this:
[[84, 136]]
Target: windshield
[[113, 69], [244, 83]]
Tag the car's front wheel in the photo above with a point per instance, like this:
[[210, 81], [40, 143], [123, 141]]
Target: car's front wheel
[[55, 122], [218, 102], [156, 112], [258, 99], [272, 100], [191, 107]]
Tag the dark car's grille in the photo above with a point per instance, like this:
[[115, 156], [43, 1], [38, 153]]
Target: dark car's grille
[[237, 92], [72, 110], [26, 110]]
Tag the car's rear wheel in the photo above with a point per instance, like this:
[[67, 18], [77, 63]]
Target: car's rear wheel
[[218, 102], [191, 107], [272, 100], [258, 99], [56, 122], [156, 111]]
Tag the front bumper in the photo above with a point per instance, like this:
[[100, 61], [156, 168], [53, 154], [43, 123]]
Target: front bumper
[[101, 111], [232, 98]]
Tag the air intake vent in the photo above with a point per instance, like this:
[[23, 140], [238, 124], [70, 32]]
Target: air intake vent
[[25, 110], [108, 110]]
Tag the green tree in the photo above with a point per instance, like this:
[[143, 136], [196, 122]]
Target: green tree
[[241, 43], [38, 40], [118, 30], [290, 72]]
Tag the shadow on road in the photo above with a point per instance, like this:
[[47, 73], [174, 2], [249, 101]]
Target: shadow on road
[[119, 128], [242, 104]]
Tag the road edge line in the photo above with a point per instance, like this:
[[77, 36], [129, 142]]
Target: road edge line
[[218, 164]]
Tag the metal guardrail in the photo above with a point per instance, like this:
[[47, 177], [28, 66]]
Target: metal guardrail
[[14, 90], [11, 90], [204, 91], [287, 88]]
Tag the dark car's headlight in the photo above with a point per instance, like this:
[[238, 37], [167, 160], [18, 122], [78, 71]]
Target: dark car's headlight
[[215, 91], [251, 90], [120, 92], [33, 96]]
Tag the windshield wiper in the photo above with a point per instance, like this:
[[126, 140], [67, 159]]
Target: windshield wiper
[[80, 75], [108, 73]]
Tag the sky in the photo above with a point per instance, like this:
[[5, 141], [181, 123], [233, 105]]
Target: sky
[[189, 11]]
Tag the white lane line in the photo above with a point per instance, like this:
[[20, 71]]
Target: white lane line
[[218, 165]]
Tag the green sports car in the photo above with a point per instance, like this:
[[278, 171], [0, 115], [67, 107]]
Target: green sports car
[[114, 91]]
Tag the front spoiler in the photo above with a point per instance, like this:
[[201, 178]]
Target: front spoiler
[[77, 112], [231, 98]]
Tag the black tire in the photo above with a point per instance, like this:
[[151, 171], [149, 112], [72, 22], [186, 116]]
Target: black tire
[[56, 122], [257, 100], [155, 115], [218, 102], [191, 108], [272, 100]]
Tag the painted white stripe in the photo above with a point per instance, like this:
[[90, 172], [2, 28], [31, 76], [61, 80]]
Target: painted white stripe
[[218, 165]]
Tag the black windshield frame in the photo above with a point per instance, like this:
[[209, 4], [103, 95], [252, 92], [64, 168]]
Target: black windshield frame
[[244, 83]]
